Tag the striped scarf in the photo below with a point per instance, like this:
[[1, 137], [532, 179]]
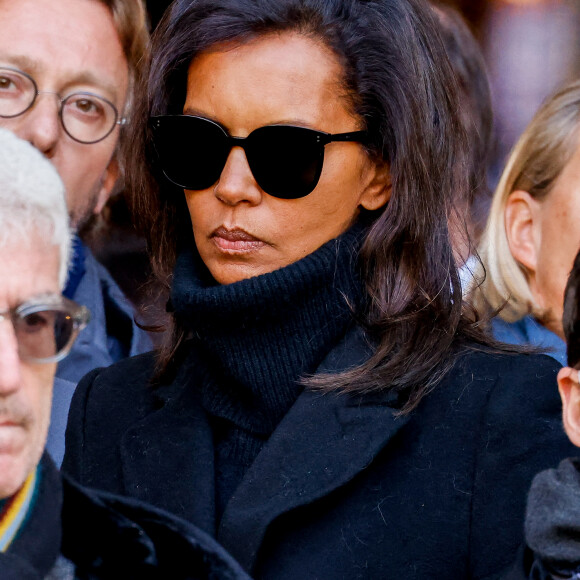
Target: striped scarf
[[14, 510]]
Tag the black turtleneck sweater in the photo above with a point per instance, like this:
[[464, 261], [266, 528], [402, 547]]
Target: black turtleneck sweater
[[258, 337]]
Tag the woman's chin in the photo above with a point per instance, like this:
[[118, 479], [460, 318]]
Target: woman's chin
[[235, 271]]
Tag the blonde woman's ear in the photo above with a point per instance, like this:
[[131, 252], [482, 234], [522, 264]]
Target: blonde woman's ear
[[569, 387], [522, 228]]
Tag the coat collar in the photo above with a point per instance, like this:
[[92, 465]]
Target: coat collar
[[167, 457], [322, 443]]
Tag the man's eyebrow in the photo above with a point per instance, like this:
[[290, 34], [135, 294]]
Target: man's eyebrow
[[30, 66], [48, 298], [45, 296], [21, 61], [88, 78]]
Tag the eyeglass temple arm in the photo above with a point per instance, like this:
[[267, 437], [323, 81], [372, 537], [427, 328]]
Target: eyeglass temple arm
[[356, 136]]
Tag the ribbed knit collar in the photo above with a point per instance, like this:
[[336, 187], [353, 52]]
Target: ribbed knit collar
[[260, 335]]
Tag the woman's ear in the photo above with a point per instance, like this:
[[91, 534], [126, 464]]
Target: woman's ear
[[569, 388], [378, 191], [522, 228]]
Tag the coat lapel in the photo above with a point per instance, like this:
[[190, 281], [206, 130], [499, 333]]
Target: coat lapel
[[167, 458], [321, 444]]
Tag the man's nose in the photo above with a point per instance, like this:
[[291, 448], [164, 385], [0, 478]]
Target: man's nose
[[10, 365], [41, 125]]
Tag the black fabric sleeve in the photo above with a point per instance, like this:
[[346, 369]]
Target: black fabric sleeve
[[520, 434], [75, 431]]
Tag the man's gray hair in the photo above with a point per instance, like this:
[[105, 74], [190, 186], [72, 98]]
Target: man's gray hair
[[32, 199]]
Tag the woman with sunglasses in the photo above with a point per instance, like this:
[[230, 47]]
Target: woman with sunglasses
[[325, 409]]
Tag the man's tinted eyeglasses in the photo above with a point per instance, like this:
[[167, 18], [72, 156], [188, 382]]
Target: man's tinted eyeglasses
[[46, 331]]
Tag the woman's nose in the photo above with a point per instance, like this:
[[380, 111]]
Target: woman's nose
[[236, 183]]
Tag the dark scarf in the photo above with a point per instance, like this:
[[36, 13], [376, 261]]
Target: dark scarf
[[258, 337]]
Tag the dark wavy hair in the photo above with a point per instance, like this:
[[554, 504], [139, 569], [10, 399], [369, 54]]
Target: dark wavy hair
[[402, 88]]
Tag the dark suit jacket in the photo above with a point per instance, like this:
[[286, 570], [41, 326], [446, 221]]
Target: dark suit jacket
[[74, 532], [343, 489]]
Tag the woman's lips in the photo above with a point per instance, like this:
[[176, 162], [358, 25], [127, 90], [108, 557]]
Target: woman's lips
[[236, 240]]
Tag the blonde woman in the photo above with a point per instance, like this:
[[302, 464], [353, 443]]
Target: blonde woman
[[532, 233]]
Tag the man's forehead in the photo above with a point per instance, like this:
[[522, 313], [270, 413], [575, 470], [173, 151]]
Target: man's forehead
[[29, 271], [64, 43], [36, 68]]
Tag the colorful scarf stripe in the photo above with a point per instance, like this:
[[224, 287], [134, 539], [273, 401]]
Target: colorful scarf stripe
[[15, 510]]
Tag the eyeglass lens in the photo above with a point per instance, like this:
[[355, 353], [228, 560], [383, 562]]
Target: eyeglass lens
[[286, 161], [44, 334], [86, 117]]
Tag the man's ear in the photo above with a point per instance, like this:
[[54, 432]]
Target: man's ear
[[522, 228], [569, 388], [108, 181], [378, 191]]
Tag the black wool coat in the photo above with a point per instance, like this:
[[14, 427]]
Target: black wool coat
[[76, 533], [343, 489]]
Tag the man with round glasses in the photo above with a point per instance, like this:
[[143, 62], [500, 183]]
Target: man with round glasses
[[49, 526], [67, 72]]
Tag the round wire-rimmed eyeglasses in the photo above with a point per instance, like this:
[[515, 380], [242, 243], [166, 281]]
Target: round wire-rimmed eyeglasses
[[85, 116]]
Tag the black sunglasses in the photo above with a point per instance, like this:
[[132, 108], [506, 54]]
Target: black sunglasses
[[286, 161]]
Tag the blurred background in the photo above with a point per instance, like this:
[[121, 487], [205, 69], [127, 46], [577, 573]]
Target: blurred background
[[531, 47]]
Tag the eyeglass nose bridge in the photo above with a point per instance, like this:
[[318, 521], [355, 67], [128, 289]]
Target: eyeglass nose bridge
[[232, 141], [246, 144], [35, 96], [57, 95]]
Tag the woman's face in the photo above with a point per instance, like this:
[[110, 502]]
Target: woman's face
[[557, 242], [241, 231]]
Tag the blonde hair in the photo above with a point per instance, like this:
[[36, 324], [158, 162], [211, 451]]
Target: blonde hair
[[534, 165], [132, 25]]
